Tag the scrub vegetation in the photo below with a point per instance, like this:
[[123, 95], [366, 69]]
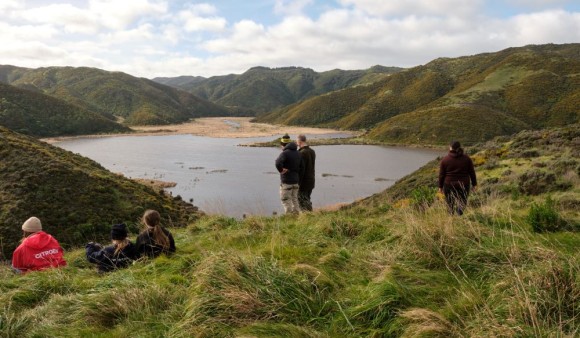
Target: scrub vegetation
[[32, 113], [471, 98], [117, 96], [263, 89]]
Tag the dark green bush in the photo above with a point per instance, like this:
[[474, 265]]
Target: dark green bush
[[545, 218], [423, 197]]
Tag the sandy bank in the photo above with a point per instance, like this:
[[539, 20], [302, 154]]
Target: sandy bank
[[220, 127]]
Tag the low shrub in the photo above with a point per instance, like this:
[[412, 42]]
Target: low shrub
[[423, 197], [545, 218], [535, 182]]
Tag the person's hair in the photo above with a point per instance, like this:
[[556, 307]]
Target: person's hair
[[456, 146], [120, 244], [152, 219], [302, 138]]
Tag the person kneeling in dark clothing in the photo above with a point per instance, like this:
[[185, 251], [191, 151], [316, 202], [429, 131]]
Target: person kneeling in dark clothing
[[456, 177], [154, 239], [120, 254]]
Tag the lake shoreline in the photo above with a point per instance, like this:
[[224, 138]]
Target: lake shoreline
[[356, 140], [216, 127]]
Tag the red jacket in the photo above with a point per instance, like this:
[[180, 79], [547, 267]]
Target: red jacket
[[37, 252]]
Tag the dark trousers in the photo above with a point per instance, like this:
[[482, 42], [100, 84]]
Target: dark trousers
[[456, 198], [304, 198]]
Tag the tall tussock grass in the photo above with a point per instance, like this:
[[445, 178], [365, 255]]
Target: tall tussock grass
[[394, 270], [235, 291]]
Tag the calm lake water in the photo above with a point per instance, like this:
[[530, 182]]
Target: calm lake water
[[224, 178]]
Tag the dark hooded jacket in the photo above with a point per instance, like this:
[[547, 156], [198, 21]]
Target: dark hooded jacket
[[107, 260], [290, 159], [457, 169], [307, 179], [146, 245]]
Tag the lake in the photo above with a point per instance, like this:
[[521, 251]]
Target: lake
[[224, 178]]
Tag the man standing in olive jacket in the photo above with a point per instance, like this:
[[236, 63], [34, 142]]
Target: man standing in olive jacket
[[291, 168], [308, 178]]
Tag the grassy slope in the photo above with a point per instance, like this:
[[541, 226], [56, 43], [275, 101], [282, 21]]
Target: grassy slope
[[36, 114], [517, 88], [135, 100], [75, 197], [383, 267], [262, 89]]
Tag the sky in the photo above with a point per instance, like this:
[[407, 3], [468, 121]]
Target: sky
[[151, 38]]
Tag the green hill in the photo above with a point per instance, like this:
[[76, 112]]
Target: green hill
[[263, 89], [132, 100], [396, 265], [472, 98], [36, 114], [182, 82], [76, 199]]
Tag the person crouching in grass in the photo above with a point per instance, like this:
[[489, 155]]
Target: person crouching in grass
[[120, 254], [154, 239], [38, 250]]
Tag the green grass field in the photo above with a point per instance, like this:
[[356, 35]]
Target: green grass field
[[394, 265]]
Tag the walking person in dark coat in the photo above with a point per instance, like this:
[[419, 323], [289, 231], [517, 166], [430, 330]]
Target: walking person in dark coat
[[308, 178], [118, 255], [456, 177], [291, 167]]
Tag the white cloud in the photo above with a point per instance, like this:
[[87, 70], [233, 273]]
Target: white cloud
[[150, 38], [415, 7], [194, 19], [291, 7], [544, 27], [109, 14], [196, 23], [117, 14], [203, 9], [7, 5], [17, 51], [142, 33], [71, 18], [25, 33]]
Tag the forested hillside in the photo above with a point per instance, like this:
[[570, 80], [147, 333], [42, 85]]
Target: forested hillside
[[263, 89], [472, 98], [115, 95], [36, 114]]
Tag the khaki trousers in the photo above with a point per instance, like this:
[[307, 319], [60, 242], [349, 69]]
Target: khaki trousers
[[289, 197]]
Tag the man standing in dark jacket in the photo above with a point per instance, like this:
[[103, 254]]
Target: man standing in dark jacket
[[291, 167], [306, 180], [456, 172]]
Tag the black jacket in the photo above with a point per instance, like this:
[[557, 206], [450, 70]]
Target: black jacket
[[146, 246], [290, 159], [309, 159], [106, 259]]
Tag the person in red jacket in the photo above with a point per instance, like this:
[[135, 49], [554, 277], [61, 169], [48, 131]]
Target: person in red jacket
[[456, 176], [38, 250]]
